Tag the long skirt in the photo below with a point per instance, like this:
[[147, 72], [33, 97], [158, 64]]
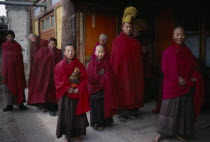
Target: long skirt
[[97, 110], [176, 116], [10, 99], [70, 124]]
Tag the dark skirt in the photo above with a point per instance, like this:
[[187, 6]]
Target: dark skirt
[[70, 124], [97, 110], [176, 116], [10, 99]]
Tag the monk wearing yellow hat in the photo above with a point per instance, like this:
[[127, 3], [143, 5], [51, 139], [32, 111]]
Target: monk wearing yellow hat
[[126, 61]]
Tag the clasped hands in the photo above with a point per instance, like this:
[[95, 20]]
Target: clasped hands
[[183, 82], [73, 90]]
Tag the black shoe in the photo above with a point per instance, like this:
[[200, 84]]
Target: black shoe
[[122, 119], [98, 128], [52, 113], [132, 117], [8, 108], [22, 107]]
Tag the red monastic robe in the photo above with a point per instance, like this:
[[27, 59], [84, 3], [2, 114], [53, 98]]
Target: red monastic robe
[[13, 69], [178, 60], [93, 54], [126, 61], [105, 82], [42, 86], [63, 71], [40, 43]]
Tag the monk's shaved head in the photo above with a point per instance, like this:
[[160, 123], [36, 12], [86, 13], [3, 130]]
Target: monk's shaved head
[[103, 39], [33, 37], [178, 29], [103, 36], [100, 47]]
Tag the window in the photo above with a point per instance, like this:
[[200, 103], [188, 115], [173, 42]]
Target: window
[[193, 42], [52, 21], [207, 57], [48, 22], [43, 25]]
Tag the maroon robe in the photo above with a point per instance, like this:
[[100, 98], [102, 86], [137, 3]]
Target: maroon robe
[[13, 69], [58, 55], [42, 86], [93, 54], [97, 83], [126, 61], [63, 71], [178, 60], [40, 43]]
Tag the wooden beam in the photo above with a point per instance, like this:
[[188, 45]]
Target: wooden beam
[[68, 23]]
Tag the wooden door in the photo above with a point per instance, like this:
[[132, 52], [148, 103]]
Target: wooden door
[[94, 26]]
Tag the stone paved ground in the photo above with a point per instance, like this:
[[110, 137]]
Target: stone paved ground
[[35, 126], [9, 130]]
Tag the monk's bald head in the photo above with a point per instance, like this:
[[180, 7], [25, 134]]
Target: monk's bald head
[[100, 52], [179, 35], [178, 29], [33, 37], [103, 39]]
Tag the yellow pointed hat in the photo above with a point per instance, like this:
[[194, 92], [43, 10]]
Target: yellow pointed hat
[[129, 14]]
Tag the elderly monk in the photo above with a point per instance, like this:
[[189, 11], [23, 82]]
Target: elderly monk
[[13, 73], [183, 90], [42, 86], [126, 61], [103, 40], [36, 44]]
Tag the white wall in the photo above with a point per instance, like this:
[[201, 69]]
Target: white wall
[[19, 22]]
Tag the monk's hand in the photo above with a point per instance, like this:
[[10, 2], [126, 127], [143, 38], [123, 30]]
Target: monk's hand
[[101, 72], [71, 90], [182, 81], [76, 91], [193, 79]]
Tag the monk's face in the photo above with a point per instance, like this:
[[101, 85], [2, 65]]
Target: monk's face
[[52, 44], [100, 52], [33, 39], [127, 28], [69, 52], [103, 41], [179, 35], [135, 33], [10, 37]]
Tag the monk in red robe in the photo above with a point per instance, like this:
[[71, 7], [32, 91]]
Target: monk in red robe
[[103, 102], [183, 90], [36, 44], [103, 40], [13, 73], [71, 91], [126, 61], [42, 87]]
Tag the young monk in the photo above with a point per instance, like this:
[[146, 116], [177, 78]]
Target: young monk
[[42, 87], [71, 91], [102, 40], [127, 65], [103, 103], [13, 73], [183, 90]]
